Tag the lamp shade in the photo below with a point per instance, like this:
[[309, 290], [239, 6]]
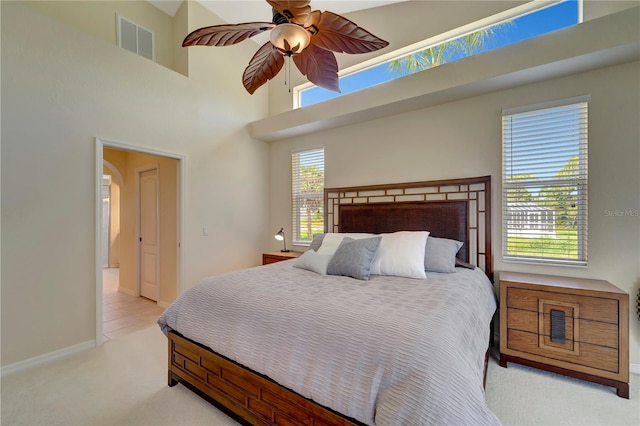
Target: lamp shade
[[280, 237], [290, 39]]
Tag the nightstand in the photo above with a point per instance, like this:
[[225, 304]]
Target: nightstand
[[279, 256], [572, 326]]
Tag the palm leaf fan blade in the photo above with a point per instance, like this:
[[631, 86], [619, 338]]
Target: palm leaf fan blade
[[319, 66], [265, 64], [297, 12], [225, 35], [339, 34]]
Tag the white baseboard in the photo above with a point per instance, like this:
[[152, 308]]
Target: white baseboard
[[46, 358], [127, 291], [634, 368]]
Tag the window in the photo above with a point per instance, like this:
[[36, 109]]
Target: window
[[307, 186], [530, 20], [544, 182], [135, 38]]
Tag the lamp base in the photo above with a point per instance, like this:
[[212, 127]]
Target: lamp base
[[285, 251]]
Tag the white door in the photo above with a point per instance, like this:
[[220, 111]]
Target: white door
[[149, 235]]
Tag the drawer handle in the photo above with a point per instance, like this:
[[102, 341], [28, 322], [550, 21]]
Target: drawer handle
[[558, 327]]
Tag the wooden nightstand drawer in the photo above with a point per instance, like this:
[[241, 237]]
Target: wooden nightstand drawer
[[599, 333], [577, 327], [279, 256], [517, 319], [591, 356], [593, 308], [593, 332]]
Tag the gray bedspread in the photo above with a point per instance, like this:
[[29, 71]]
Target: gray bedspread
[[388, 351]]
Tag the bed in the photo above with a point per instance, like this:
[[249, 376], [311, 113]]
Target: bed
[[283, 344]]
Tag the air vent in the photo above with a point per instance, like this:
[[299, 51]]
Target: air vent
[[135, 38]]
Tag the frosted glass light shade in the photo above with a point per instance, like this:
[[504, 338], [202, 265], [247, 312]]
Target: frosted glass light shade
[[290, 39]]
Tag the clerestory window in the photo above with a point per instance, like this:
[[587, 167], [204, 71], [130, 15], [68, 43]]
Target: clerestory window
[[457, 45]]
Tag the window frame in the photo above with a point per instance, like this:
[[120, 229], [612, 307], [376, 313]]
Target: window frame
[[580, 182], [490, 21], [296, 221]]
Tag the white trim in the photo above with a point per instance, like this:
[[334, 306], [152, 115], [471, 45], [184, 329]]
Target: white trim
[[549, 104], [128, 291], [634, 368], [99, 167], [115, 172], [47, 358], [101, 144], [309, 148]]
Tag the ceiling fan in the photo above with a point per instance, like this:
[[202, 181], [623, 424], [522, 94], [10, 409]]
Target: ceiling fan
[[309, 37]]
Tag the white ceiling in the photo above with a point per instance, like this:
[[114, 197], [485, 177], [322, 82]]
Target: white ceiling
[[170, 7], [237, 11]]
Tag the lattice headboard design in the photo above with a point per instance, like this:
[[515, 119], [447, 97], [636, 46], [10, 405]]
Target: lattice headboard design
[[457, 208]]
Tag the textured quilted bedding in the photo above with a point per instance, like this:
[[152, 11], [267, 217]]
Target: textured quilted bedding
[[388, 351]]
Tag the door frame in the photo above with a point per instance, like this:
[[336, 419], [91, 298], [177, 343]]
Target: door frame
[[100, 145]]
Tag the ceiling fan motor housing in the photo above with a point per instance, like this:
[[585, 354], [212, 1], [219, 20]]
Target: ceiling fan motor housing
[[279, 18]]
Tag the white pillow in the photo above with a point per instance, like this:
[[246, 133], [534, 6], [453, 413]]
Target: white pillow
[[332, 240], [401, 254], [313, 261]]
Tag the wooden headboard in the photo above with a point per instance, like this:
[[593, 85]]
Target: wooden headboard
[[458, 209]]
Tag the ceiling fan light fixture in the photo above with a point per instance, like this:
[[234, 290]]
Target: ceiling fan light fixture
[[290, 39], [310, 37]]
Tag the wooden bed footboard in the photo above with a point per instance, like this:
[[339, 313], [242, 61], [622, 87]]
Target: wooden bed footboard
[[247, 396]]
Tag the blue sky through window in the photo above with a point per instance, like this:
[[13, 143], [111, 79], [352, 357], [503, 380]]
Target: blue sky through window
[[539, 22]]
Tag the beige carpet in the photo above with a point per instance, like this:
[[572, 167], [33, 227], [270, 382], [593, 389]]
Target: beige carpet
[[124, 383]]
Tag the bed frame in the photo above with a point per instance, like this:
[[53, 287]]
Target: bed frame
[[458, 208]]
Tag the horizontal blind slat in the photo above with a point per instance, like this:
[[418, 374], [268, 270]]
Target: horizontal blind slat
[[307, 194], [544, 198]]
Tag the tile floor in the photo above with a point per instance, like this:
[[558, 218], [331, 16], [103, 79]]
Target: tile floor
[[124, 314]]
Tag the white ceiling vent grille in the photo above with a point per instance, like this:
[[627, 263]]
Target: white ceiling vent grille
[[135, 38]]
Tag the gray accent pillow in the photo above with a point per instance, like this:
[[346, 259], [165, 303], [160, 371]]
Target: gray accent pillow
[[440, 254], [312, 261], [353, 257], [316, 242]]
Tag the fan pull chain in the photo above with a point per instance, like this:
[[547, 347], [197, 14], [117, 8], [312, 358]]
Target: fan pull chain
[[289, 72], [286, 67]]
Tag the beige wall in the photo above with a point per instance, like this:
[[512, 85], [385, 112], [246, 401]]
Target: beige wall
[[594, 9], [180, 28], [168, 225], [114, 165], [409, 22], [62, 88], [98, 18], [114, 233], [114, 214], [463, 139]]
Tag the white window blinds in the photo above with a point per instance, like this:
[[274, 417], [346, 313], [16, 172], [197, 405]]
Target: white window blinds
[[544, 182], [307, 185]]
